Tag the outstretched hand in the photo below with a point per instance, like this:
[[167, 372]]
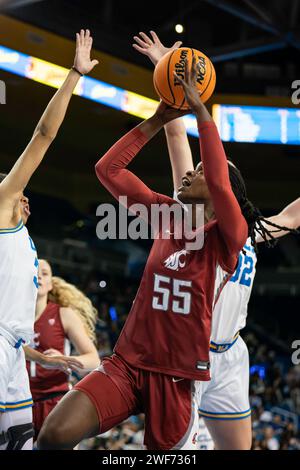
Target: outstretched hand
[[189, 85], [152, 47], [82, 61]]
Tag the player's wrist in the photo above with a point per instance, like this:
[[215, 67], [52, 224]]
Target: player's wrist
[[42, 360], [76, 70], [158, 119]]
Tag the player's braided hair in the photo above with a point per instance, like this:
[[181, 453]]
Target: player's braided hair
[[256, 222]]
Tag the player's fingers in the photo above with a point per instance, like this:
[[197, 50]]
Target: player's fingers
[[82, 37], [155, 37], [140, 42], [186, 71], [48, 351], [140, 49], [146, 38], [72, 362], [77, 39], [181, 81], [88, 45], [95, 62], [87, 39], [176, 45]]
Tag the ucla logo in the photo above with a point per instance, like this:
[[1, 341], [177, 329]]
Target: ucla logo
[[177, 260]]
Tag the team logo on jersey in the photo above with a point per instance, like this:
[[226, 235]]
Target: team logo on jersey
[[194, 440], [51, 321], [177, 260], [35, 343]]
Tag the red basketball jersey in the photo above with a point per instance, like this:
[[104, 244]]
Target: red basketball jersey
[[169, 325], [48, 333]]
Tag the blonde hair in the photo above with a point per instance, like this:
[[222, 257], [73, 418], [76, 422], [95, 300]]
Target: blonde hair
[[67, 295]]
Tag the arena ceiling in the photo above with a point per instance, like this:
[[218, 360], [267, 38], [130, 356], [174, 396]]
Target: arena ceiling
[[225, 29]]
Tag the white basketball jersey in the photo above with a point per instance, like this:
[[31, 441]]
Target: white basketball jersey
[[18, 281], [231, 308]]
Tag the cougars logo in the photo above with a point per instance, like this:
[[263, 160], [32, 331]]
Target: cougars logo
[[177, 260]]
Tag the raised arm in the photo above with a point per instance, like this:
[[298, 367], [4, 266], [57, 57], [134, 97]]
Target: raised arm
[[232, 225], [289, 217], [49, 124], [111, 168], [178, 145]]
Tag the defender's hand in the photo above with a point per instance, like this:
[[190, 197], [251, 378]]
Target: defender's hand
[[64, 363], [82, 61], [152, 47]]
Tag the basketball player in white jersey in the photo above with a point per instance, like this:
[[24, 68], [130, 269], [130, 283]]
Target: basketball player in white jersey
[[18, 267], [223, 401]]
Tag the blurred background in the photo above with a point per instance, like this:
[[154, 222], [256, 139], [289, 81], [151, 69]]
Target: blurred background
[[255, 49]]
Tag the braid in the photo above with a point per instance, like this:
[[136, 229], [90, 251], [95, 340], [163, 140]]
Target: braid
[[256, 222], [268, 233], [253, 218]]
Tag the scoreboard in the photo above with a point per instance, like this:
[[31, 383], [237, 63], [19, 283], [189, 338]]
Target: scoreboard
[[257, 124]]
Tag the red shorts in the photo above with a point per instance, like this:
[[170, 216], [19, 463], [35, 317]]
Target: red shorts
[[40, 411], [119, 390]]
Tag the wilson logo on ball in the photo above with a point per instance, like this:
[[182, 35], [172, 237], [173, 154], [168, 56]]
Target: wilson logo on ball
[[168, 87], [179, 67]]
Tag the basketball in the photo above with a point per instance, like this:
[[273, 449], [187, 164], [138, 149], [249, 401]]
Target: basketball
[[168, 87]]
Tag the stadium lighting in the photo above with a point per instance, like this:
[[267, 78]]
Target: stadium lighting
[[256, 124], [179, 28]]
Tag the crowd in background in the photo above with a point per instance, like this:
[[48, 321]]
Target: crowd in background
[[274, 381]]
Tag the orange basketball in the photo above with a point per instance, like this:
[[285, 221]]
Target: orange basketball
[[169, 88]]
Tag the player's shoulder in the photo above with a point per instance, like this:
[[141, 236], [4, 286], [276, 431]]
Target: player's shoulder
[[67, 315], [67, 312]]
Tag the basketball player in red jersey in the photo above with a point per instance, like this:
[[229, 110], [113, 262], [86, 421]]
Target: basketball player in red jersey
[[64, 316], [164, 345], [230, 428]]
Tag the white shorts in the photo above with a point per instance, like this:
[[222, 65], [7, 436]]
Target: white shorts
[[226, 395], [14, 382]]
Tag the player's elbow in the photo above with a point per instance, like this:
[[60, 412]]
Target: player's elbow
[[100, 170], [45, 133]]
